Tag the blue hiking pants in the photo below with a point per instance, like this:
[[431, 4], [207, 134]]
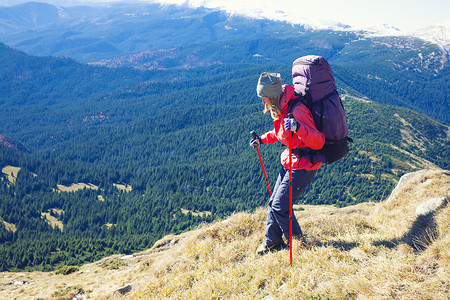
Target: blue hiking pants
[[278, 208]]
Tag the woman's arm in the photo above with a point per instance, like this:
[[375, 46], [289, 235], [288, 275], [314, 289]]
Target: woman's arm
[[307, 130]]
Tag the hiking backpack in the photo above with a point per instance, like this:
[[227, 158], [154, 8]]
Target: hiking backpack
[[315, 87]]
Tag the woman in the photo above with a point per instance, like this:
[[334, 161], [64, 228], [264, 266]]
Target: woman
[[275, 98]]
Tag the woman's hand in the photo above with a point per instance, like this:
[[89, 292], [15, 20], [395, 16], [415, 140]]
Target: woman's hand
[[256, 142], [290, 124]]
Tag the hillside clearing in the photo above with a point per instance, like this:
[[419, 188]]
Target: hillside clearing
[[75, 187], [195, 213], [123, 187], [8, 226], [53, 221], [79, 186], [421, 162], [11, 172]]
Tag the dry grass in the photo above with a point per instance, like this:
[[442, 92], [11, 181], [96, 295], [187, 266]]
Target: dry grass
[[367, 251], [358, 252]]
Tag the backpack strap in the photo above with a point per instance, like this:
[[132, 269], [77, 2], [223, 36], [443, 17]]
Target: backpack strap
[[307, 101], [293, 103], [306, 153]]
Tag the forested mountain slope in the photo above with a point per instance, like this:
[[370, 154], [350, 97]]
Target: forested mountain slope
[[156, 143], [404, 71], [90, 33]]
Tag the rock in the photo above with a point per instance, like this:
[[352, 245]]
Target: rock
[[123, 290], [431, 206], [125, 257], [402, 182]]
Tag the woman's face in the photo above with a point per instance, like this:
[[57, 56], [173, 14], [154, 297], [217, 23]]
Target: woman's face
[[265, 101]]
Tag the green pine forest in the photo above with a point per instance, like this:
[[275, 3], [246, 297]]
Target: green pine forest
[[179, 138]]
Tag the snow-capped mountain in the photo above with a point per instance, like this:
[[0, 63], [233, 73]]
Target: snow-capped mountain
[[298, 15], [265, 10], [381, 30], [438, 33]]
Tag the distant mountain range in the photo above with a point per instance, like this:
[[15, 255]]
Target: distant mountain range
[[90, 33], [93, 33]]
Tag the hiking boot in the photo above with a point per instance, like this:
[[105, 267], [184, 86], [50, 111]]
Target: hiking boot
[[263, 249]]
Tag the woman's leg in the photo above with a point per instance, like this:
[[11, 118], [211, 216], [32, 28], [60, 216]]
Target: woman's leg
[[274, 234], [278, 208]]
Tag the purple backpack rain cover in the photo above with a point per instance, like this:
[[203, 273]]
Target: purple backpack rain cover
[[315, 85]]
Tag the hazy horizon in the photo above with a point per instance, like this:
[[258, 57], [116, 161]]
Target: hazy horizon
[[405, 15]]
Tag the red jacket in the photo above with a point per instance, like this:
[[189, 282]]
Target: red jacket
[[307, 135]]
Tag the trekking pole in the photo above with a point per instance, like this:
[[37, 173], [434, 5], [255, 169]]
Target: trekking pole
[[255, 136], [290, 192]]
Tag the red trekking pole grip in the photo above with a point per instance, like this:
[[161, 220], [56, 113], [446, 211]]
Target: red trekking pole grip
[[255, 136]]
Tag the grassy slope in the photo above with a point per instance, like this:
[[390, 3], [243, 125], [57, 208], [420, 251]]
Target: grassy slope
[[364, 251], [358, 251]]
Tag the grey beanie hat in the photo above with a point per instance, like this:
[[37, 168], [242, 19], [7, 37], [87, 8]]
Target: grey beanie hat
[[269, 85]]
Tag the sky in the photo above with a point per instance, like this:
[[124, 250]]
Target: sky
[[406, 15]]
